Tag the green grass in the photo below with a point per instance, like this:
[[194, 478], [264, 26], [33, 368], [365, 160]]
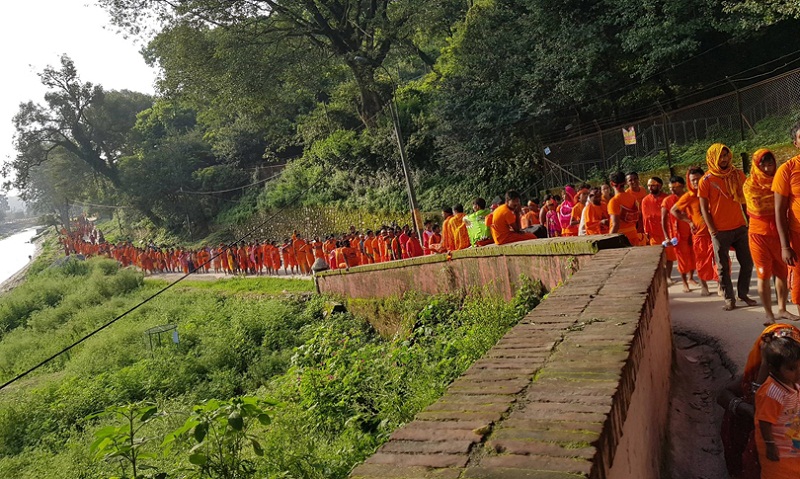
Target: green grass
[[267, 285], [344, 387]]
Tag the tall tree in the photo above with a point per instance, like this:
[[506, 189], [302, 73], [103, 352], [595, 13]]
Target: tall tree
[[359, 33], [78, 118]]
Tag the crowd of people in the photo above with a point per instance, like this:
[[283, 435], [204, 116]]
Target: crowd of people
[[698, 221]]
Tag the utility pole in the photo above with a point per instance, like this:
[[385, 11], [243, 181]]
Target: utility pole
[[666, 138]]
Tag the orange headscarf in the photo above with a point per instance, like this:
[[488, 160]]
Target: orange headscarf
[[758, 188], [754, 358], [692, 190], [730, 175]]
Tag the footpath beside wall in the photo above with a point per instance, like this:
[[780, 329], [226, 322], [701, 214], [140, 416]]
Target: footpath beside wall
[[579, 388], [551, 261]]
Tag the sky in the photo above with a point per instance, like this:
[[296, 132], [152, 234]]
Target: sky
[[35, 33]]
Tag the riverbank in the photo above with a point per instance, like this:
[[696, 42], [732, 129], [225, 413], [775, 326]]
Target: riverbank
[[17, 278]]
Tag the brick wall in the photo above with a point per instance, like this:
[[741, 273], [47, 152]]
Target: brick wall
[[579, 388], [551, 261]]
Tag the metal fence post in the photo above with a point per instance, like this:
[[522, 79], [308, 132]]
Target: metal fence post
[[602, 143], [666, 139], [738, 107]]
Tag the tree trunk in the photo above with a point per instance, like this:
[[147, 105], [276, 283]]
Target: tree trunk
[[372, 99]]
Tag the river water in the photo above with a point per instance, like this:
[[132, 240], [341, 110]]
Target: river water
[[15, 251]]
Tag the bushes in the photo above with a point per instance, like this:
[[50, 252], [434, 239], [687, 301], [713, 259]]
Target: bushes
[[345, 388]]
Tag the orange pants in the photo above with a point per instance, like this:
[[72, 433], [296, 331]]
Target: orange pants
[[766, 253], [794, 239], [704, 257], [685, 253]]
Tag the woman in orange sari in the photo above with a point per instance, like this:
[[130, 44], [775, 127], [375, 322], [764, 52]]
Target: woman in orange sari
[[765, 244]]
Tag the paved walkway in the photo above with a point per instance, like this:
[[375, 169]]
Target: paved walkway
[[735, 331]]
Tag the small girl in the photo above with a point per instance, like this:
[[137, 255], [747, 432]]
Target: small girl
[[777, 417]]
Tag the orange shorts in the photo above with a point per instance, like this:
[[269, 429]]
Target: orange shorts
[[766, 252]]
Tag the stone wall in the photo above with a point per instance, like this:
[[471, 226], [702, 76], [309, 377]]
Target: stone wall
[[579, 388], [551, 261]]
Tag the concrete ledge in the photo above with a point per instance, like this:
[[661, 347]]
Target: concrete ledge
[[551, 261], [572, 245], [578, 388]]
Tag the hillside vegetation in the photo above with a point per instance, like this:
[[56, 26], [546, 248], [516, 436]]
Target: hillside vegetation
[[332, 388]]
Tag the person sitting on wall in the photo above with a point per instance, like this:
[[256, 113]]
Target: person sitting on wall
[[505, 221]]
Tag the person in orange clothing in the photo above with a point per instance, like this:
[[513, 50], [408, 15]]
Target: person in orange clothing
[[594, 215], [763, 236], [289, 263], [275, 257], [299, 250], [346, 256], [435, 241], [634, 188], [413, 246], [624, 212], [319, 253], [533, 209], [721, 202], [459, 229], [505, 221], [786, 186], [680, 231], [777, 403], [577, 211], [448, 242], [687, 209], [651, 211]]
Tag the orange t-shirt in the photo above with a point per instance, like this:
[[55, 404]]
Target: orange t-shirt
[[529, 219], [592, 215], [639, 195], [690, 205], [787, 183], [651, 216], [459, 231], [725, 211], [447, 235], [503, 221], [779, 405], [626, 209], [675, 228], [577, 211]]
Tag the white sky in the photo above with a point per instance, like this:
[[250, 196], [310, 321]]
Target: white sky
[[35, 33]]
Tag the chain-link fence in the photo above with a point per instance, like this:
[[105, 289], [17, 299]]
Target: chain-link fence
[[736, 113]]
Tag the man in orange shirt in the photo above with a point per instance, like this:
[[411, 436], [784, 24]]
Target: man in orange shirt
[[721, 200], [505, 221], [632, 179], [786, 186], [687, 209], [594, 215], [763, 234], [680, 231], [623, 209], [651, 211]]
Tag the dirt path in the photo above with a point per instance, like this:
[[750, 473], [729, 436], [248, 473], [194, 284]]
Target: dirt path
[[711, 347], [695, 448]]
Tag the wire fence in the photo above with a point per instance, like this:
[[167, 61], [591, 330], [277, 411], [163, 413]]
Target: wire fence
[[592, 154]]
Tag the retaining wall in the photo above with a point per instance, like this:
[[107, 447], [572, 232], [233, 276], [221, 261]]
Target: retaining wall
[[551, 261], [579, 388]]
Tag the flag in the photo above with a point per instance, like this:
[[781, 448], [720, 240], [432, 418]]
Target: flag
[[629, 134]]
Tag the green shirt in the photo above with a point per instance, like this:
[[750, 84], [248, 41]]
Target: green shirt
[[476, 225]]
